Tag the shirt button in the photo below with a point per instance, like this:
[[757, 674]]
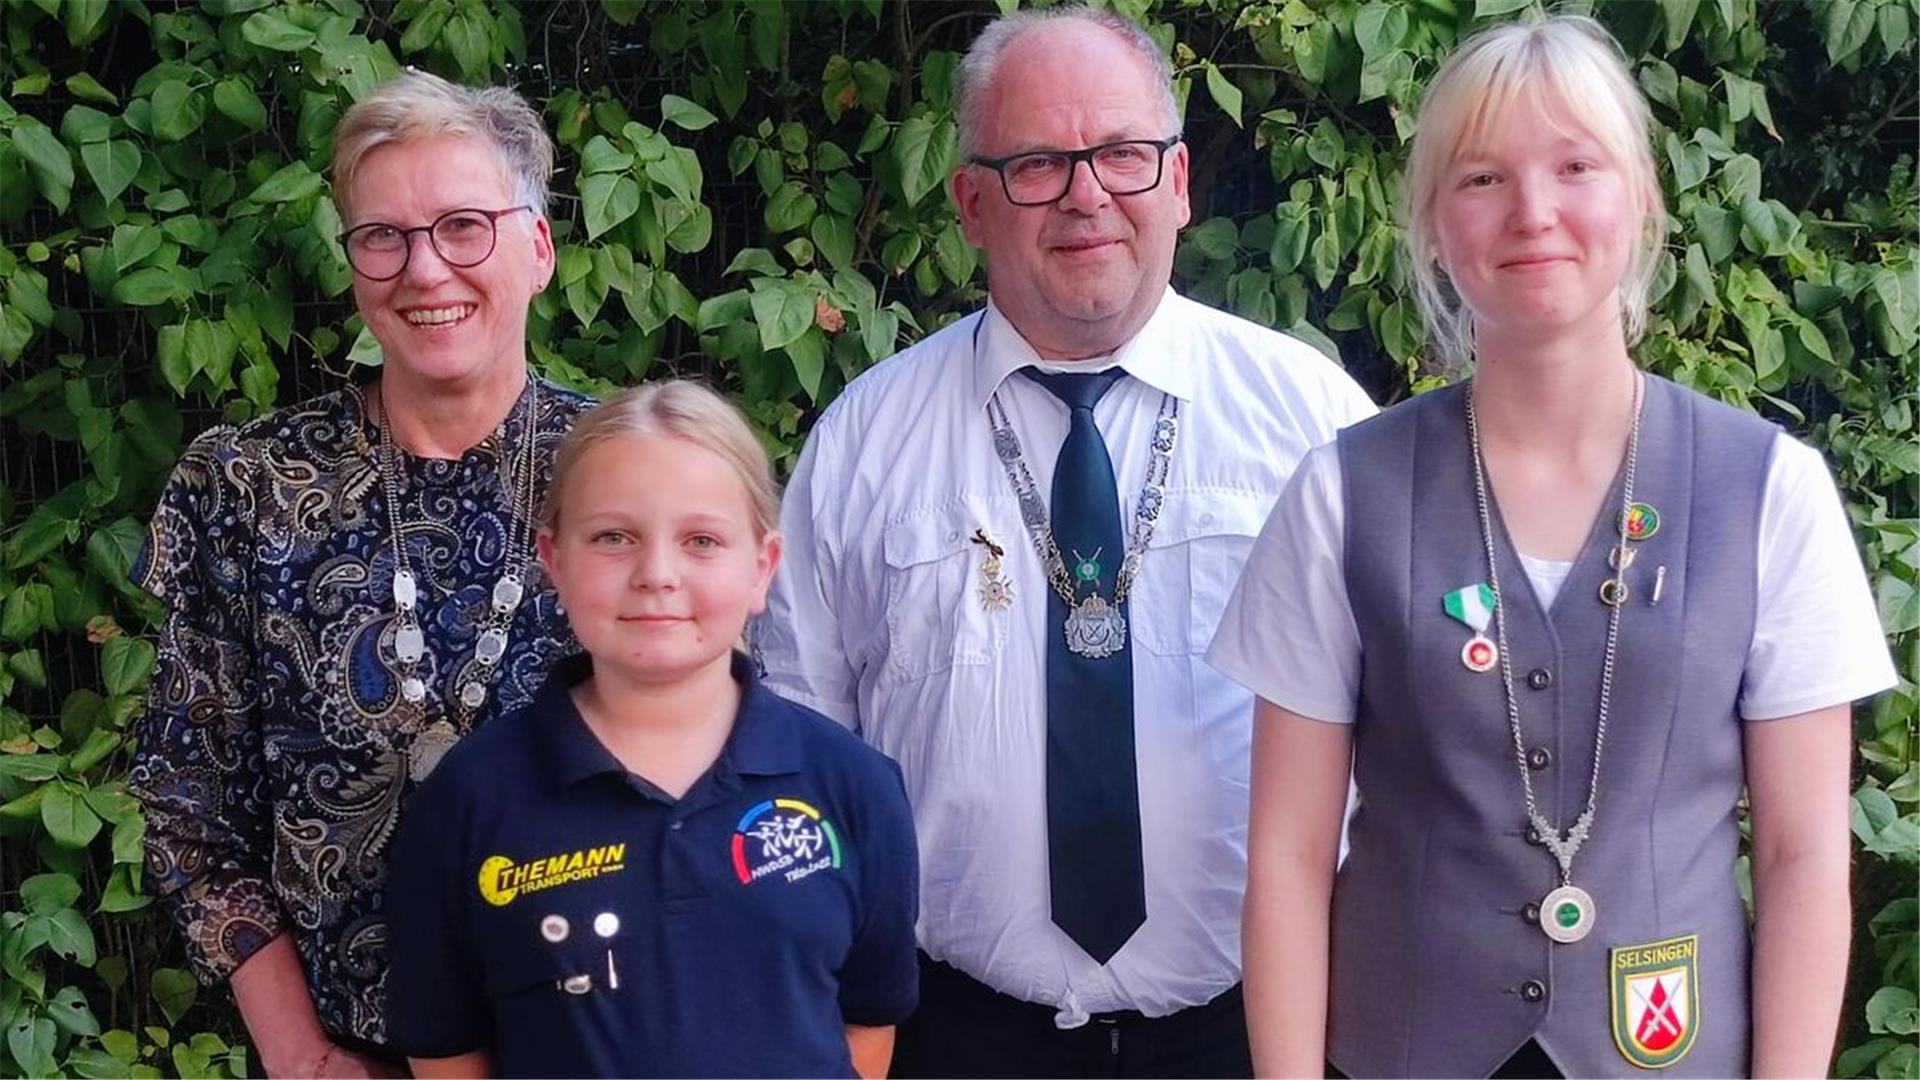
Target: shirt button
[[1533, 837], [1533, 990], [1531, 912], [1539, 678], [1539, 758], [1206, 519]]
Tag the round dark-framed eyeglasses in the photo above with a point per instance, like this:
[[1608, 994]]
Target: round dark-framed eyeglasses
[[380, 252], [1043, 177]]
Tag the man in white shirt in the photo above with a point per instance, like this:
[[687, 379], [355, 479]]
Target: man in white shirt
[[1008, 547]]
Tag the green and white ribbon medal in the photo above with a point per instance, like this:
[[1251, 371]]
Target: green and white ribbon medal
[[1474, 606]]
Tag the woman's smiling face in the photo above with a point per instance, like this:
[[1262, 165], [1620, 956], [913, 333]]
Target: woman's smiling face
[[1535, 226], [439, 323]]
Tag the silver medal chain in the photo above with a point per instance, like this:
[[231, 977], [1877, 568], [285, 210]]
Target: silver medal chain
[[1033, 509], [1563, 846], [490, 646]]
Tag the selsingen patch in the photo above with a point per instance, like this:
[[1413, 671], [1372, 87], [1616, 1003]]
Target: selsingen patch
[[502, 879], [783, 838], [1656, 1000]]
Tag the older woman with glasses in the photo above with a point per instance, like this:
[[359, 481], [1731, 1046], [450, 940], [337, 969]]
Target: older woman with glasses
[[350, 580]]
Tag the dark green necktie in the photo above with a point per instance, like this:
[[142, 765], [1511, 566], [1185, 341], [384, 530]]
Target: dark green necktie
[[1093, 798]]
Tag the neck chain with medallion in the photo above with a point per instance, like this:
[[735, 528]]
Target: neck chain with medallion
[[490, 646], [1567, 912], [1094, 628]]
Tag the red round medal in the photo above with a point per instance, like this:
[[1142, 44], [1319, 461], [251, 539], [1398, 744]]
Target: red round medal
[[1479, 654]]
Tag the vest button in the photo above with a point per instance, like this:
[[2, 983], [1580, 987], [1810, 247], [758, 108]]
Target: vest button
[[1539, 758], [677, 826], [1539, 678], [1531, 912], [1533, 990]]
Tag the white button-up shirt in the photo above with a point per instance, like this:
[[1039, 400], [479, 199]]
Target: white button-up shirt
[[877, 620]]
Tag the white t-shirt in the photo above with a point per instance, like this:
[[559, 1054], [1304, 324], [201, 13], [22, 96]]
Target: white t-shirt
[[1288, 633]]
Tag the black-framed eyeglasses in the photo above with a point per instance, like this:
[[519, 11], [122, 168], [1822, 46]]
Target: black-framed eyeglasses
[[1042, 177], [380, 252]]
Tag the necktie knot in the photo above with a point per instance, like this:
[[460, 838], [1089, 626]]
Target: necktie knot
[[1077, 391]]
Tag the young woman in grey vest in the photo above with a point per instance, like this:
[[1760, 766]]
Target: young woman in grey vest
[[1557, 618]]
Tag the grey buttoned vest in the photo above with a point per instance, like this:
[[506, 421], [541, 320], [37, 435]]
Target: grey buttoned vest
[[1437, 966]]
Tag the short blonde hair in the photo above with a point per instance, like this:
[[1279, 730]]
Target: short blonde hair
[[418, 105], [679, 409], [1570, 66]]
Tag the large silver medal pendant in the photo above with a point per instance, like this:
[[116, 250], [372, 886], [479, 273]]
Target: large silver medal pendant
[[1095, 628], [1566, 914]]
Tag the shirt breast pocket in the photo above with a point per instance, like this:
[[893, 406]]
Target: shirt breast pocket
[[935, 619], [1199, 546]]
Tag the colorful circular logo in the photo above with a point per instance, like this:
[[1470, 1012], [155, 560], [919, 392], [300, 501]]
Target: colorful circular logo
[[785, 839], [1642, 521]]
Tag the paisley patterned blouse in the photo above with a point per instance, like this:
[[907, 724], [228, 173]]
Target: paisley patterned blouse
[[276, 752]]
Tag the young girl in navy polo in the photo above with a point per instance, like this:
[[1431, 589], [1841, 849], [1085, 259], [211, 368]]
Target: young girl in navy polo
[[658, 868]]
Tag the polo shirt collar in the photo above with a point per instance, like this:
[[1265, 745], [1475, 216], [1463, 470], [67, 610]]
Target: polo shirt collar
[[762, 742], [1154, 355]]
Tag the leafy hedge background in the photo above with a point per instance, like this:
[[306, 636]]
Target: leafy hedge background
[[750, 190]]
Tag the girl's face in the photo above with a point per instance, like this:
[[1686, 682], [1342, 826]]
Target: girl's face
[[1536, 228], [656, 557]]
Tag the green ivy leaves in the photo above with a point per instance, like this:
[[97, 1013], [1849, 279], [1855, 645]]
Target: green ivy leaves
[[192, 196]]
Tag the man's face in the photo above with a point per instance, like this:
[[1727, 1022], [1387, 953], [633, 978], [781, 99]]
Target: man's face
[[1077, 277]]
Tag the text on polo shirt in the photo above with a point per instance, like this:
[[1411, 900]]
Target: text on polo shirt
[[502, 879]]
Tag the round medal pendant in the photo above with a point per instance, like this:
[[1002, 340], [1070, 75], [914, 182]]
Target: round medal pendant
[[1566, 914], [413, 689], [1479, 654]]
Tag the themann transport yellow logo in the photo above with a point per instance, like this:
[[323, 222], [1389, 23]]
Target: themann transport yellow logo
[[502, 879]]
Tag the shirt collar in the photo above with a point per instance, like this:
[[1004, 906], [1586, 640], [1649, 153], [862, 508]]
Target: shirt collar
[[762, 742], [1154, 355]]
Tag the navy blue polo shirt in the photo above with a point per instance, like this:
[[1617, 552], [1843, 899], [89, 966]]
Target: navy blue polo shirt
[[550, 907]]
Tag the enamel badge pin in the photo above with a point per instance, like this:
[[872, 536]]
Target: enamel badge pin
[[1474, 606], [1656, 1000], [1642, 521]]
